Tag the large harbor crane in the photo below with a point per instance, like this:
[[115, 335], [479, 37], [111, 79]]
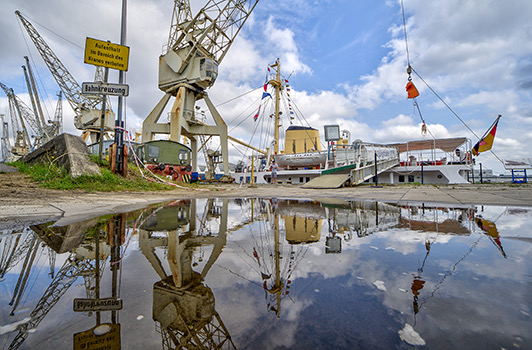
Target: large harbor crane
[[87, 109], [20, 115], [6, 147], [189, 65]]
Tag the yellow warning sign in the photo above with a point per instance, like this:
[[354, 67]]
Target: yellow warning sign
[[106, 54]]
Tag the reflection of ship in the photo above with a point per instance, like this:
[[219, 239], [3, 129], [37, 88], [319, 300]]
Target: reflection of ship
[[441, 219], [281, 243], [360, 218], [183, 305], [302, 220]]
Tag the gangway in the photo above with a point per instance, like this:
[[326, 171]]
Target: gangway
[[360, 163]]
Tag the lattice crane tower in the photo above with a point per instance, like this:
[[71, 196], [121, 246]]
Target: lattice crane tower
[[189, 65], [87, 110]]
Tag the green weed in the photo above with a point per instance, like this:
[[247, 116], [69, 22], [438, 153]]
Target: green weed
[[53, 177]]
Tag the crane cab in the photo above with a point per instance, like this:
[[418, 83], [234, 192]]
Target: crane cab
[[200, 71], [208, 70]]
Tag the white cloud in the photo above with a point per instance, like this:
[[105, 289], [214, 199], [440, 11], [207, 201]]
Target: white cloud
[[472, 54]]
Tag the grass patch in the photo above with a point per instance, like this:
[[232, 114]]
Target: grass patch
[[53, 177]]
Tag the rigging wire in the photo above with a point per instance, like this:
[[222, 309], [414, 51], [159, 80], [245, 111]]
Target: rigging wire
[[237, 97], [51, 31], [446, 105]]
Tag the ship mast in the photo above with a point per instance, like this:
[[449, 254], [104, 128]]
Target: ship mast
[[278, 87]]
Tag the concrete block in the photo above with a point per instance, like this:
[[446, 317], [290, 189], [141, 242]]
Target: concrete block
[[65, 150]]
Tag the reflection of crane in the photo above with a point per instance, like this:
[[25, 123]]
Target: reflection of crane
[[83, 261], [182, 304], [68, 274], [196, 46], [88, 110], [9, 246]]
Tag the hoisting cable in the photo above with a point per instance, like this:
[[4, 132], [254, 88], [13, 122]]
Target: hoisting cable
[[410, 70], [446, 105], [51, 31], [404, 28], [410, 86]]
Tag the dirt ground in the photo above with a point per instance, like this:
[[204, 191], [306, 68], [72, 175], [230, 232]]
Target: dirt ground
[[17, 189], [23, 202]]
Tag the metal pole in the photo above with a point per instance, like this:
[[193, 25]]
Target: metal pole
[[422, 171], [97, 271], [376, 174], [119, 124], [102, 119], [252, 180]]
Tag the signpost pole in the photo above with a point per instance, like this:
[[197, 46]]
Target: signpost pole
[[102, 119], [119, 124]]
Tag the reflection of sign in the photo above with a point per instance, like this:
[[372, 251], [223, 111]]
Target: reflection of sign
[[106, 54], [104, 336], [98, 88], [106, 304]]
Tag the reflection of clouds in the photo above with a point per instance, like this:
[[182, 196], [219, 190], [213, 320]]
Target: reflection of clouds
[[243, 308], [459, 297], [404, 241]]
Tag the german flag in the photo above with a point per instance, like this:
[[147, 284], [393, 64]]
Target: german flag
[[486, 141]]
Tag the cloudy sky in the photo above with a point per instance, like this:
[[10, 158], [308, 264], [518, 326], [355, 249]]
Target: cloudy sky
[[346, 62]]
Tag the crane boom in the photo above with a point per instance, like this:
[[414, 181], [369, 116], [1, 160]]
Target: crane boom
[[213, 29], [197, 45], [87, 109], [62, 76]]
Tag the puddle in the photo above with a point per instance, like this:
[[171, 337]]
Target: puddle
[[268, 274]]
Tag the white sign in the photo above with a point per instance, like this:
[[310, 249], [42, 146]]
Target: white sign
[[523, 163], [106, 304], [99, 88]]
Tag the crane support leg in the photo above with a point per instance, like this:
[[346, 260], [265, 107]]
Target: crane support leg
[[183, 123], [150, 126], [222, 132]]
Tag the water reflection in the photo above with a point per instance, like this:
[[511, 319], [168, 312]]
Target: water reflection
[[256, 273], [183, 306]]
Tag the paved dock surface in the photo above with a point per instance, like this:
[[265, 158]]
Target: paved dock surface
[[23, 207]]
